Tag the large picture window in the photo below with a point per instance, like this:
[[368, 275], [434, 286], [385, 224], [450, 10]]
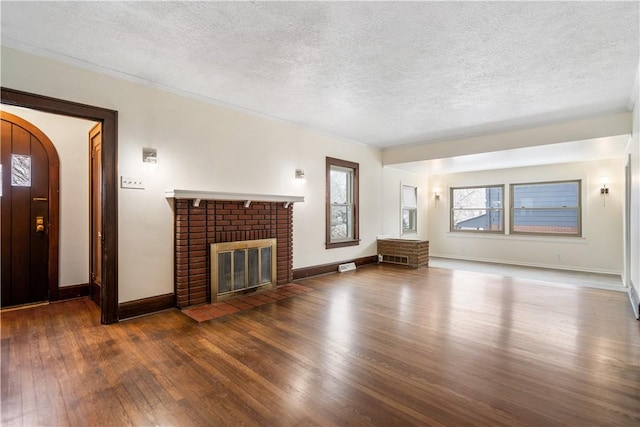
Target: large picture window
[[342, 203], [477, 209], [547, 208], [409, 209]]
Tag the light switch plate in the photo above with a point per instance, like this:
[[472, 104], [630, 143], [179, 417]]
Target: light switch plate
[[131, 182]]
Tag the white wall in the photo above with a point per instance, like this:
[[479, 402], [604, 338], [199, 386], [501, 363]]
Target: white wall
[[202, 147], [599, 249], [207, 147], [392, 180], [70, 136]]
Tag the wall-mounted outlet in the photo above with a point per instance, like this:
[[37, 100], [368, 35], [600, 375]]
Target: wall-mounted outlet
[[131, 182]]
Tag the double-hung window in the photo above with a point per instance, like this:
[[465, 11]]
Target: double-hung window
[[342, 203], [409, 209], [477, 209], [546, 208]]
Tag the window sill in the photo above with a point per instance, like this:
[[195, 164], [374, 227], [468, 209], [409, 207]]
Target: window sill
[[514, 237], [346, 243]]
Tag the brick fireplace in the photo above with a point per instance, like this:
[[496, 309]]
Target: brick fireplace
[[198, 223]]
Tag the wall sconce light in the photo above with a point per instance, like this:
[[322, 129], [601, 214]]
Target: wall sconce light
[[300, 174], [436, 192], [604, 190], [150, 155]]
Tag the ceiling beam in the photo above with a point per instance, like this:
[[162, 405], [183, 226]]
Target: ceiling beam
[[614, 124]]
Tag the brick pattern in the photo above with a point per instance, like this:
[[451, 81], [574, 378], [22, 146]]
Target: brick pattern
[[215, 221], [417, 251]]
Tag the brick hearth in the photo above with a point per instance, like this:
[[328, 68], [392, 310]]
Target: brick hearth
[[216, 221]]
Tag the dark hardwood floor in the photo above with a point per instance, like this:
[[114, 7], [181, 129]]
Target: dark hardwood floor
[[380, 346]]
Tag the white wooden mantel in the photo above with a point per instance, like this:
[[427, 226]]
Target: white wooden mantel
[[247, 198]]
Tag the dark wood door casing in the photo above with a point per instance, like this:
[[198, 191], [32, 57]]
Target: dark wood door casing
[[109, 199], [29, 256], [95, 211]]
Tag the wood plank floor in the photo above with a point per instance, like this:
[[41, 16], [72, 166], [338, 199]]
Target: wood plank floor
[[379, 346]]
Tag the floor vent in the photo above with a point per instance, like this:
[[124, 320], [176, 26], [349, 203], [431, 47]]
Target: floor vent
[[349, 266]]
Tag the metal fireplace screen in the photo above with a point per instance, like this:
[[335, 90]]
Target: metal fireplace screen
[[242, 266]]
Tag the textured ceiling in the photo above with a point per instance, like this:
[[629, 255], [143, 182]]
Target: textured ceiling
[[382, 73]]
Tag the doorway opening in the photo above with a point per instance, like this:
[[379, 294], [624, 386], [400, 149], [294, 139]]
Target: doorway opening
[[108, 258]]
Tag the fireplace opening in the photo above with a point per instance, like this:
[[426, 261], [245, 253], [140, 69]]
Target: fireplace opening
[[241, 267]]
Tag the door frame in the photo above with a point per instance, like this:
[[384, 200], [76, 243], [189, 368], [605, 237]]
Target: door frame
[[93, 295], [53, 195], [627, 221], [109, 120]]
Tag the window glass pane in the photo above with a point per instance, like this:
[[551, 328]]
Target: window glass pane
[[480, 197], [224, 272], [341, 223], [20, 170], [252, 265], [548, 195], [477, 209], [409, 220], [340, 185], [478, 220], [409, 197], [265, 262], [546, 208], [555, 221], [238, 270]]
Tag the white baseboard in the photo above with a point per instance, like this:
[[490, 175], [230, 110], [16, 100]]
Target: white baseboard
[[528, 264], [635, 301]]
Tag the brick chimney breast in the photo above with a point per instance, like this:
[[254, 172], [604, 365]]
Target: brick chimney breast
[[220, 221]]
